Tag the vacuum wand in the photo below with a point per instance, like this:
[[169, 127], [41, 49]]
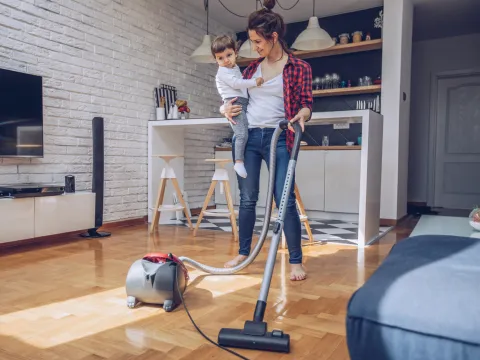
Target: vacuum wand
[[254, 335]]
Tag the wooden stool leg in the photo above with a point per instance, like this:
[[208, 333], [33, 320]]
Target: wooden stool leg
[[156, 213], [309, 231], [303, 212], [205, 205], [233, 218], [182, 201]]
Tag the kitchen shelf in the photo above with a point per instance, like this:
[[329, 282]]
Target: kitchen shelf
[[348, 91], [338, 49]]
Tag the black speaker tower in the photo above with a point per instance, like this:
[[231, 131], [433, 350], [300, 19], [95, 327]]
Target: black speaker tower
[[97, 178]]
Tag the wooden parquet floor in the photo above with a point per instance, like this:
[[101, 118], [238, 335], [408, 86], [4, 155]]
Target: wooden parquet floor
[[67, 301]]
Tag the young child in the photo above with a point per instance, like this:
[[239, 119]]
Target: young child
[[230, 84]]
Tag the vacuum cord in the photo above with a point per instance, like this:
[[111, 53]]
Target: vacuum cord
[[198, 329], [262, 237], [266, 221]]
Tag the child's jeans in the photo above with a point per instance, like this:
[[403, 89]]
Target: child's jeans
[[240, 129]]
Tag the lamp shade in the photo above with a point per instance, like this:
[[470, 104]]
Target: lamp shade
[[203, 54], [247, 52], [313, 37]]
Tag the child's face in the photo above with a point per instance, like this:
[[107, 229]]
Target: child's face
[[226, 58]]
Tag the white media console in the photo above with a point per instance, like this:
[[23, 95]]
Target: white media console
[[34, 217]]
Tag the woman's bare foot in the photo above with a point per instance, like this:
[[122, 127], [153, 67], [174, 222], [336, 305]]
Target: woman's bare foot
[[297, 272], [235, 262]]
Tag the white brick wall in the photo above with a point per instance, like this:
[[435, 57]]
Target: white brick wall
[[103, 58]]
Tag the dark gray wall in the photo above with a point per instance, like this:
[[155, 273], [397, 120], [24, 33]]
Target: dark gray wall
[[428, 58]]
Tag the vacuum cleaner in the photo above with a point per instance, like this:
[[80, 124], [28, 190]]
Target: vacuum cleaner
[[157, 278], [162, 278]]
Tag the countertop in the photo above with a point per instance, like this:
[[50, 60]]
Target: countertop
[[308, 147], [330, 117]]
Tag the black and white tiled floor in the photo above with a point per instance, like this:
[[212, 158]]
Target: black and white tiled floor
[[328, 231]]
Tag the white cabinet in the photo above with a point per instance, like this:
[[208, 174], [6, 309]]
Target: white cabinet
[[328, 180], [16, 219], [310, 179], [64, 213], [33, 217], [342, 181]]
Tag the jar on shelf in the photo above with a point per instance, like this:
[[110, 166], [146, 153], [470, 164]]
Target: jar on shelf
[[357, 36], [344, 38]]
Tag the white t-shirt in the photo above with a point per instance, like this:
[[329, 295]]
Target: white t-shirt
[[266, 107], [230, 83]]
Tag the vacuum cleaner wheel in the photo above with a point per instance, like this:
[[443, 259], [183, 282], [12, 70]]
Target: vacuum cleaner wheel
[[131, 302]]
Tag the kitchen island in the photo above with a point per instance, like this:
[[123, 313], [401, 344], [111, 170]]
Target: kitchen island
[[361, 181]]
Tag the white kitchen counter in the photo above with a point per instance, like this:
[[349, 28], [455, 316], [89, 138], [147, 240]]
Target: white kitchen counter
[[331, 117], [167, 137]]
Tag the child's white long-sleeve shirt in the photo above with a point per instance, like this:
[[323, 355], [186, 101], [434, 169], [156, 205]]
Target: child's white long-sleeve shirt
[[231, 84]]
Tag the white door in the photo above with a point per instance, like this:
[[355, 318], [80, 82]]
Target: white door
[[457, 149]]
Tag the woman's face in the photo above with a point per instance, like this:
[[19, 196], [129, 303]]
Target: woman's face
[[261, 45]]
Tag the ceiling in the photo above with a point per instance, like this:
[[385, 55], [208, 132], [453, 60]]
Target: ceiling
[[433, 18]]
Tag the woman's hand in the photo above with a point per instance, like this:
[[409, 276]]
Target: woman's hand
[[301, 117], [230, 110]]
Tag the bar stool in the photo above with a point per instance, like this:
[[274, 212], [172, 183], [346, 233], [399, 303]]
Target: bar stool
[[168, 174], [302, 214], [220, 175]]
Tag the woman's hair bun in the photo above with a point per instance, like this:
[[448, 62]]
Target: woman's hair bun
[[269, 4]]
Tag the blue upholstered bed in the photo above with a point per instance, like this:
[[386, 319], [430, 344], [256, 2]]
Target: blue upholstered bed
[[422, 303]]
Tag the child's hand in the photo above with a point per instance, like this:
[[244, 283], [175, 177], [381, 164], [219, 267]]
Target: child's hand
[[260, 81]]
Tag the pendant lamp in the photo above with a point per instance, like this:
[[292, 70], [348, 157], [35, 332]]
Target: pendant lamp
[[203, 54], [247, 52], [313, 37]]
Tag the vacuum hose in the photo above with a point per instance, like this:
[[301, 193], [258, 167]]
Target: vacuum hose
[[268, 206]]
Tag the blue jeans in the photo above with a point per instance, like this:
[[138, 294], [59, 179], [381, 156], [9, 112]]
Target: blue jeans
[[256, 150]]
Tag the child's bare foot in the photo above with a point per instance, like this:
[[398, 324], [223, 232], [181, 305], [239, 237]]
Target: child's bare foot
[[235, 262], [297, 272]]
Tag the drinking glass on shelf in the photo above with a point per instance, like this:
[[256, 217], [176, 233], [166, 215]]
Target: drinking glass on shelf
[[335, 80], [328, 81]]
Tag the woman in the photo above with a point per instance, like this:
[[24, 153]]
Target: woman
[[285, 94]]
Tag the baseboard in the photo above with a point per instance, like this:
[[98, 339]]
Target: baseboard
[[388, 222], [392, 222], [66, 237], [124, 223], [417, 203]]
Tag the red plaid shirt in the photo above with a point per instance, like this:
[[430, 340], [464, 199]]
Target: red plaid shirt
[[297, 88]]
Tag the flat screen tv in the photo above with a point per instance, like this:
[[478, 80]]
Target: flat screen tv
[[21, 114]]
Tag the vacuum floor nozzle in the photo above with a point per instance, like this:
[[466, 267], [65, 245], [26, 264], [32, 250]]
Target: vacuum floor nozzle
[[255, 337]]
